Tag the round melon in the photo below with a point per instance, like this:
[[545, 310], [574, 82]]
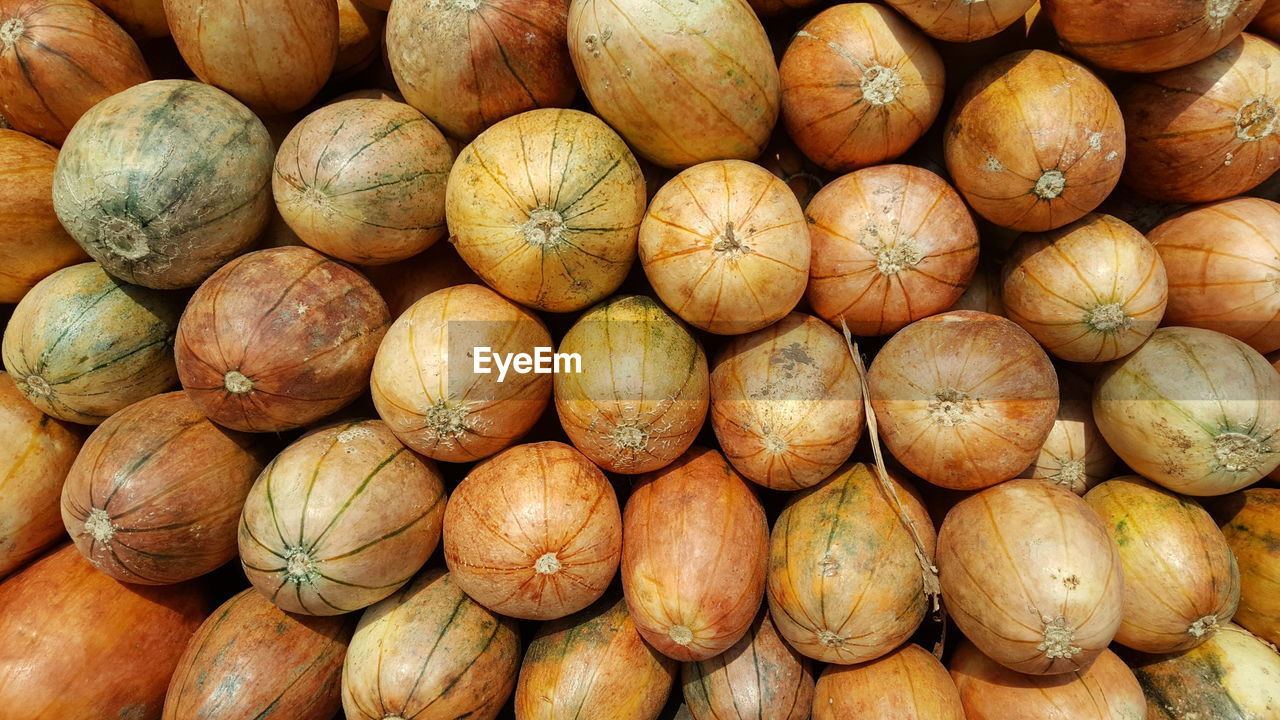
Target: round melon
[[58, 58], [165, 182], [273, 57], [908, 683], [340, 519], [545, 206], [534, 532], [593, 664], [726, 247], [643, 418], [846, 584], [430, 653], [31, 477], [786, 403], [1250, 521], [155, 495], [1232, 676], [364, 181], [32, 242], [433, 396], [279, 338], [143, 19], [684, 83], [83, 345]]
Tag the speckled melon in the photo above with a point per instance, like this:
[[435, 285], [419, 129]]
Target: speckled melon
[[165, 182]]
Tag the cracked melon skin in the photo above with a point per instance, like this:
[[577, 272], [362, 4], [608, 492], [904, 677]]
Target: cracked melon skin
[[165, 182]]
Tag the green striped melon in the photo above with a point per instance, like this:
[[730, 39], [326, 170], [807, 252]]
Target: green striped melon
[[340, 520], [82, 344], [430, 653], [165, 182]]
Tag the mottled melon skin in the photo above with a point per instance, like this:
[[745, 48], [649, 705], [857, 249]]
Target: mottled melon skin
[[165, 182]]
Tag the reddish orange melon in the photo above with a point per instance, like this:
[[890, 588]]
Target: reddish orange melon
[[1206, 131], [860, 85], [77, 644], [891, 244], [285, 665], [1035, 141], [964, 399], [155, 495], [1106, 690], [143, 19], [534, 532], [963, 21], [58, 58], [907, 683], [1148, 37], [1074, 455], [694, 547], [279, 338], [1222, 260]]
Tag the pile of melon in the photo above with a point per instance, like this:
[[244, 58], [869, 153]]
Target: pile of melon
[[639, 360]]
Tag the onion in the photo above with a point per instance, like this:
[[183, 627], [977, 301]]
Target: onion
[[425, 386], [1090, 291], [642, 395], [891, 244], [364, 181], [964, 399], [786, 403], [859, 86], [907, 683], [725, 246], [1206, 131], [1250, 520], [1035, 141], [1180, 579], [684, 83], [694, 548], [467, 64], [534, 532], [1192, 410], [760, 676], [1074, 455], [545, 206], [1230, 677], [1223, 260], [845, 578], [1031, 576], [1147, 37], [1106, 690], [962, 21]]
